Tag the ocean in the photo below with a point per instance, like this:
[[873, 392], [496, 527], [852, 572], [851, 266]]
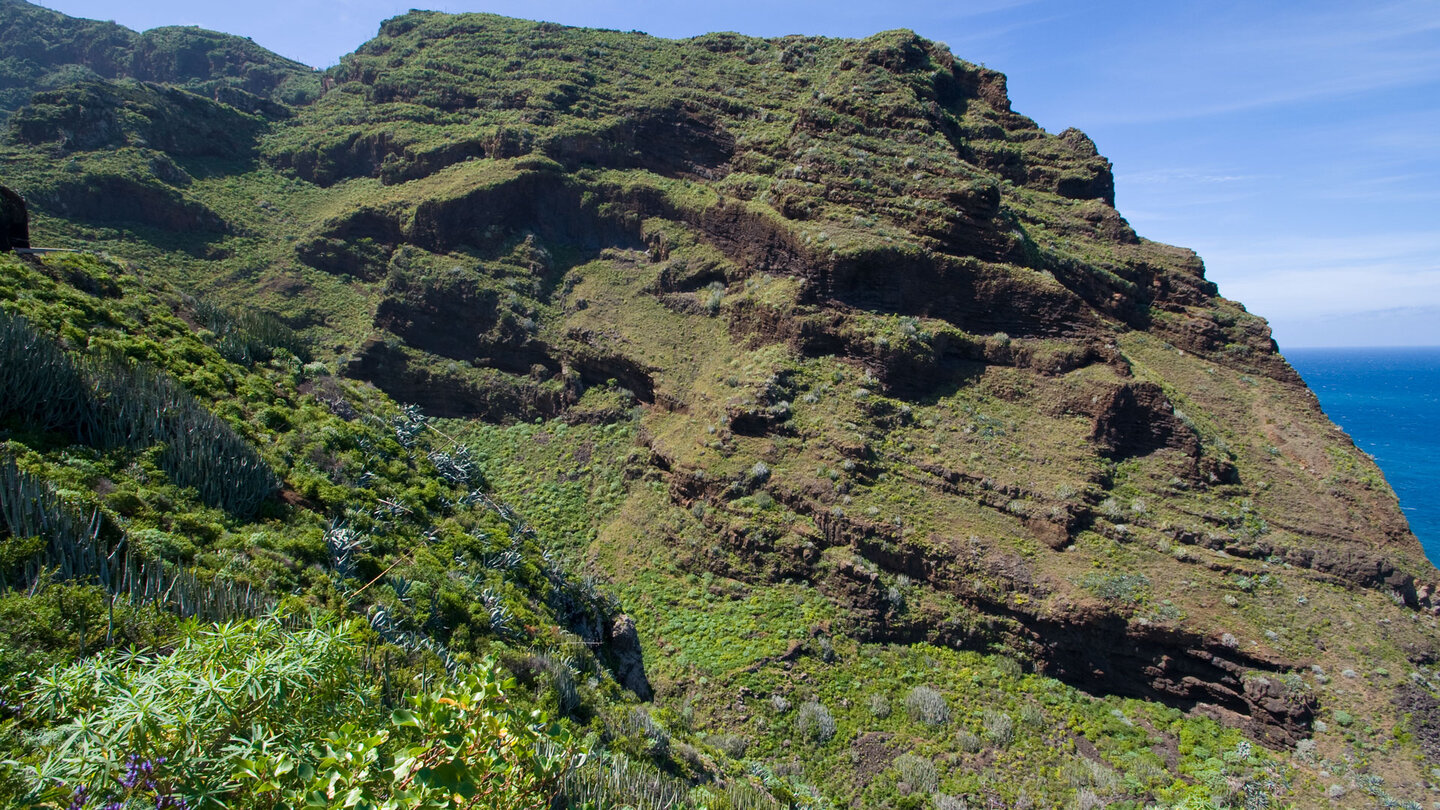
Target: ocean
[[1388, 400]]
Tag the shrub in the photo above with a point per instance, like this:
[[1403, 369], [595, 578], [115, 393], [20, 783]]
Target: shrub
[[245, 335], [917, 772], [879, 706], [222, 688], [607, 780], [944, 801], [462, 739], [732, 745], [657, 739], [999, 727], [1032, 716], [814, 722], [927, 706], [1127, 589]]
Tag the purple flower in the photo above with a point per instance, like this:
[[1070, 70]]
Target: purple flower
[[78, 797], [132, 773]]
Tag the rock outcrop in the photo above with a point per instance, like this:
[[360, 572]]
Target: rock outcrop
[[14, 221]]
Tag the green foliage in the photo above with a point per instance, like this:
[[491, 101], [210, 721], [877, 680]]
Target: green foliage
[[586, 204], [459, 745], [223, 692], [918, 773], [108, 404], [45, 48], [1121, 587], [248, 335], [814, 722], [927, 706]]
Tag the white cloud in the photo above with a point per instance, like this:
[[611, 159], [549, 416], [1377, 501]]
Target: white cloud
[[1321, 277]]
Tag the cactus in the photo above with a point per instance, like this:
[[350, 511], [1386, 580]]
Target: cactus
[[75, 549], [39, 384]]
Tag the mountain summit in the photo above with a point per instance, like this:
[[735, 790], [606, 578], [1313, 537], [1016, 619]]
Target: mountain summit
[[849, 383]]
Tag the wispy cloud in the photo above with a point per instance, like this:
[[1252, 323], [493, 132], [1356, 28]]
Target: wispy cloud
[[1264, 56], [1157, 177], [1319, 277]]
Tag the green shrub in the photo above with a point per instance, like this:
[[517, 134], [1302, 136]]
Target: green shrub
[[919, 773], [223, 689], [247, 336], [814, 722], [462, 744], [927, 706]]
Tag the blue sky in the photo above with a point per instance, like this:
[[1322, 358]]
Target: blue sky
[[1295, 145]]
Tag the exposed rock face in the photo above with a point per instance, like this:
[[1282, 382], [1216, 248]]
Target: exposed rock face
[[14, 221], [627, 660]]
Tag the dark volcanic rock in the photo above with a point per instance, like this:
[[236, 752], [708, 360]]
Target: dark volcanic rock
[[14, 221], [627, 661]]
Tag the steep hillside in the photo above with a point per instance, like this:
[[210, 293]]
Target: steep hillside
[[922, 476], [46, 49]]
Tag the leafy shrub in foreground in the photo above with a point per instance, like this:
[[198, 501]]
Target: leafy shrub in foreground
[[256, 715], [460, 745], [224, 690]]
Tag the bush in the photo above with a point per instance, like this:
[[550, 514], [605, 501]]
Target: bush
[[927, 706], [222, 689], [999, 727], [463, 739], [917, 772], [1127, 589], [815, 722], [969, 741], [607, 780], [247, 336], [944, 801]]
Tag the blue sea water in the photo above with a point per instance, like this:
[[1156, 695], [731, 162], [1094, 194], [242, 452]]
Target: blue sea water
[[1388, 400]]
